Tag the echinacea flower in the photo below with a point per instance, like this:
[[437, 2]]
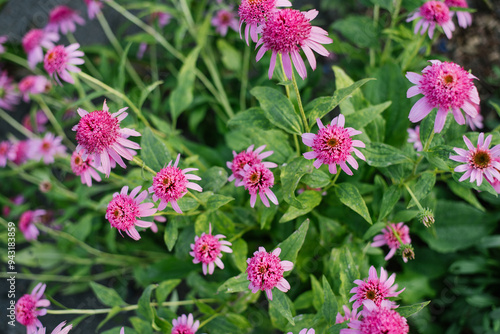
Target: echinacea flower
[[255, 13], [433, 13], [60, 60], [20, 151], [258, 180], [84, 168], [3, 39], [348, 315], [305, 331], [39, 122], [5, 153], [47, 148], [223, 20], [9, 97], [58, 330], [285, 33], [414, 137], [374, 288], [171, 183], [464, 18], [496, 185], [64, 18], [478, 162], [33, 42], [474, 122], [27, 223], [124, 210], [208, 249], [100, 137], [93, 8], [163, 18], [333, 146], [265, 272], [445, 86], [185, 325], [389, 238], [28, 308], [247, 157], [33, 84]]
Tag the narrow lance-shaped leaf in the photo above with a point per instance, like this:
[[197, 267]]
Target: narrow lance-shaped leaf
[[182, 96], [290, 246], [349, 195]]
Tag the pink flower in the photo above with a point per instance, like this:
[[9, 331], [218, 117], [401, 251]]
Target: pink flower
[[464, 18], [474, 122], [478, 161], [248, 157], [9, 97], [172, 183], [223, 20], [374, 289], [6, 153], [185, 325], [100, 138], [47, 148], [258, 179], [93, 8], [285, 33], [40, 121], [207, 250], [16, 201], [84, 168], [33, 84], [432, 13], [60, 60], [381, 319], [123, 211], [20, 151], [495, 184], [58, 330], [333, 145], [255, 13], [3, 39], [305, 331], [64, 18], [388, 237], [27, 223], [162, 17], [445, 86], [414, 137], [265, 271], [348, 315], [26, 308], [33, 42], [122, 330]]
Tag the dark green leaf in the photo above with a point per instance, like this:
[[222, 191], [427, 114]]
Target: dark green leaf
[[165, 288], [330, 306], [146, 91], [114, 311], [318, 295], [290, 178], [383, 155], [348, 272], [360, 118], [171, 234], [253, 117], [374, 229], [290, 246], [309, 199], [389, 200], [423, 187], [144, 305], [282, 304], [407, 311], [317, 179], [213, 179], [107, 296], [231, 57], [182, 96], [216, 201], [235, 284], [239, 255], [405, 216], [350, 196], [359, 30], [464, 193], [153, 151]]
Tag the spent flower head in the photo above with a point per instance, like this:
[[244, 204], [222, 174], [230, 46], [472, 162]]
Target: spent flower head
[[208, 249], [433, 13], [28, 308], [407, 253]]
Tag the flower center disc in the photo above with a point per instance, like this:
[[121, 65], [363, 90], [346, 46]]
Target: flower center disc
[[482, 159]]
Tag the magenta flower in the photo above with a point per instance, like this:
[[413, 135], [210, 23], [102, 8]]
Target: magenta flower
[[464, 18], [374, 288], [445, 86], [123, 211], [40, 121], [496, 185], [33, 84], [3, 39], [20, 151], [248, 157], [27, 223], [265, 271], [122, 330], [93, 8], [47, 148], [84, 168], [58, 330], [414, 137], [255, 13], [27, 308], [33, 42], [258, 179], [432, 13], [305, 331], [348, 315], [100, 138], [474, 122], [162, 17], [223, 20], [185, 325], [172, 183], [478, 161], [9, 97], [6, 153], [388, 237], [60, 60], [333, 146], [207, 250], [285, 33], [64, 18]]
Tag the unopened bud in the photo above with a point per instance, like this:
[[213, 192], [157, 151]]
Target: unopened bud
[[45, 186], [407, 252], [426, 217]]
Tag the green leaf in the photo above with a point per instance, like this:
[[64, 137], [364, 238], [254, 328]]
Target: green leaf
[[309, 199], [144, 305], [216, 201], [121, 68], [359, 30], [239, 255], [231, 57], [330, 306], [349, 195], [235, 284], [317, 179], [213, 179], [153, 151], [114, 311], [278, 109], [374, 229], [107, 296], [423, 187], [361, 118], [386, 4], [146, 91], [165, 288], [182, 96], [348, 272], [290, 246], [253, 117], [290, 178], [171, 234], [282, 304], [303, 301], [405, 216], [141, 326], [389, 200], [383, 155], [318, 295], [465, 194], [485, 186], [408, 311]]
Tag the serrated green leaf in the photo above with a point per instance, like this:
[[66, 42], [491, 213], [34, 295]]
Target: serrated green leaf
[[330, 306], [290, 246], [423, 187], [182, 96], [349, 195], [153, 151], [309, 199], [107, 296], [282, 304], [216, 201], [383, 155], [290, 178], [235, 284], [389, 199], [408, 311]]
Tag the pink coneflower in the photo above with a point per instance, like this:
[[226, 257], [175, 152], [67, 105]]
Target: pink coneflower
[[223, 20], [474, 122], [64, 18], [208, 249], [58, 330], [247, 157], [285, 33], [99, 137], [414, 137], [33, 84], [258, 180], [185, 325], [255, 13], [6, 153], [33, 42], [305, 331], [27, 223], [432, 13], [40, 121], [3, 39], [265, 272], [60, 60], [16, 201], [9, 97], [162, 17], [84, 168], [333, 146], [496, 185], [123, 211], [348, 315], [445, 86], [47, 148], [26, 308], [464, 18], [172, 183], [478, 161], [160, 219], [20, 151], [93, 8], [388, 237], [374, 288]]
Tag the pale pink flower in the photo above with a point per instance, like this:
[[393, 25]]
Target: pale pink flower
[[305, 331], [433, 13], [374, 288], [208, 249], [58, 330], [348, 315], [247, 157], [445, 86], [27, 223], [15, 201], [122, 330], [223, 20], [474, 122], [388, 237], [255, 13], [40, 121], [123, 211], [9, 97], [84, 168], [495, 184], [60, 60], [47, 148], [464, 18], [33, 84], [162, 17], [64, 18], [185, 325], [6, 153], [93, 8], [414, 137], [333, 146], [99, 137], [478, 161], [20, 151], [285, 33], [171, 183], [33, 42], [265, 272], [258, 180], [28, 308], [3, 39]]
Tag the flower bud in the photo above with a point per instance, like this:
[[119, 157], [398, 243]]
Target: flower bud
[[426, 216]]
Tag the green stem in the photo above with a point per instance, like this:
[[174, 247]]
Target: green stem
[[190, 193], [69, 279], [90, 66], [299, 101], [141, 163], [21, 61], [244, 78], [396, 234], [426, 147], [15, 124], [155, 76], [209, 319], [414, 197], [334, 181], [376, 14], [394, 17], [297, 145], [82, 94]]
